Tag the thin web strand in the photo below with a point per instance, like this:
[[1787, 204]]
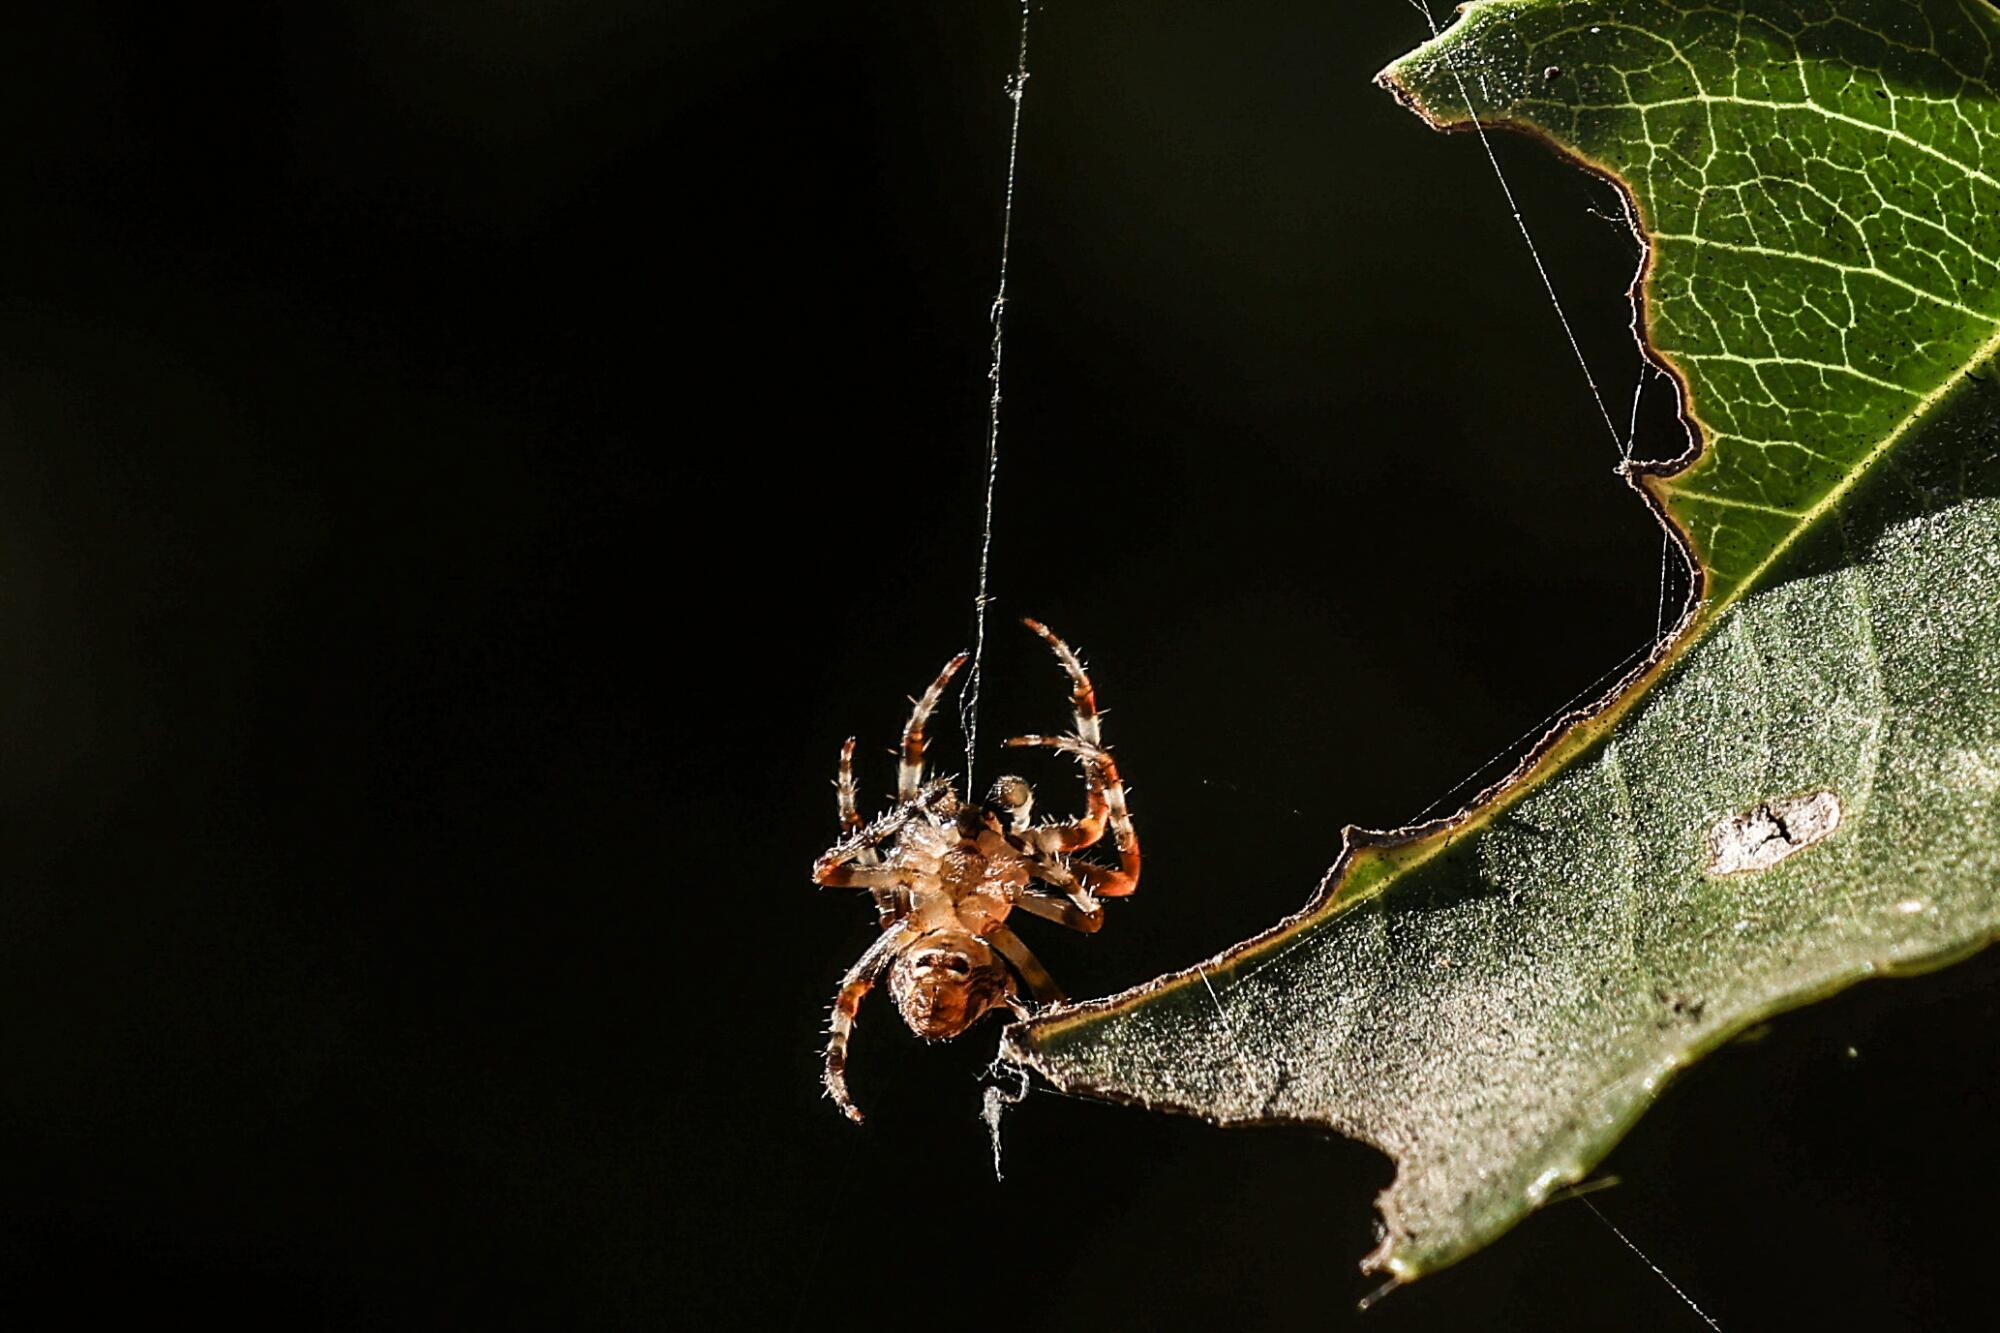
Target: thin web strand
[[1624, 444], [1539, 729], [1671, 1285], [1660, 613], [1534, 252], [1632, 427], [1242, 1060], [1624, 448], [1647, 374], [968, 699]]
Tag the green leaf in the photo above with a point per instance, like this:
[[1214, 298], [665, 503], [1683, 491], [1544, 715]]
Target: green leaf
[[1819, 184], [1803, 789]]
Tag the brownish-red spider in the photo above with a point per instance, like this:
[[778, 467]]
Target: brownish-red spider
[[945, 873]]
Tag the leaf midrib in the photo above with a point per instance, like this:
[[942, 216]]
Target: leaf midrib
[[1665, 489]]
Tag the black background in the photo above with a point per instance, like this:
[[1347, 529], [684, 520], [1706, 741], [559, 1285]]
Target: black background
[[463, 470]]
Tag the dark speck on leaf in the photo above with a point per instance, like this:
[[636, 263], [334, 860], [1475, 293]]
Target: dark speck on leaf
[[1552, 73]]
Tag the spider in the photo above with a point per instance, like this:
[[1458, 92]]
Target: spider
[[945, 873]]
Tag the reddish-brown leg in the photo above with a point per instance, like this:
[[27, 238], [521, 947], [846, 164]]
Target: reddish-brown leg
[[858, 847], [1104, 792], [910, 773], [890, 904], [1100, 879], [1069, 835], [1083, 699], [854, 987], [843, 786], [1040, 984], [1076, 909], [846, 875], [1062, 911], [1112, 789]]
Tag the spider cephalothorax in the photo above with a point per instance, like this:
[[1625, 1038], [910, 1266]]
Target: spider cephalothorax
[[945, 873]]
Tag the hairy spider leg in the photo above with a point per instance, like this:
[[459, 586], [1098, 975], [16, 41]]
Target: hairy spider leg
[[864, 841], [854, 987], [842, 873], [1061, 911], [1040, 984], [910, 773], [1072, 835], [849, 863], [1111, 883], [1103, 791], [890, 904], [1078, 910], [1083, 699], [843, 786]]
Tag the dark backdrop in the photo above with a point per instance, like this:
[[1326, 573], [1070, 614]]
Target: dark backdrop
[[463, 470]]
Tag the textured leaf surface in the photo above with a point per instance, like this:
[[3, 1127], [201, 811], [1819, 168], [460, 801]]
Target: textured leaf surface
[[1804, 792], [1820, 186]]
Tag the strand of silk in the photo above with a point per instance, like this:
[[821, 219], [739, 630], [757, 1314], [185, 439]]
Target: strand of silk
[[968, 699], [1624, 447]]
